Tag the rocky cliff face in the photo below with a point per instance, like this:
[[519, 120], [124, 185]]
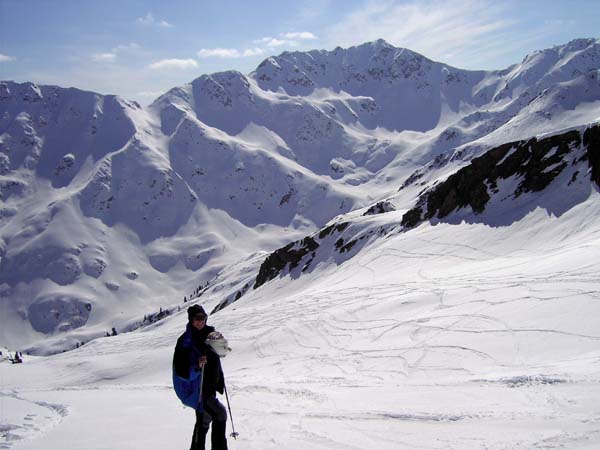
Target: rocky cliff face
[[530, 166]]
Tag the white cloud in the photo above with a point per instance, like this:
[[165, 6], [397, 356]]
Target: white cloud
[[181, 64], [132, 46], [104, 57], [111, 56], [272, 42], [253, 52], [285, 39], [219, 53], [229, 52], [6, 58], [304, 35], [149, 20], [277, 42], [435, 28]]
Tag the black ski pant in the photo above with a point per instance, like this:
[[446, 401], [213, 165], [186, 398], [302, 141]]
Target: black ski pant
[[214, 412]]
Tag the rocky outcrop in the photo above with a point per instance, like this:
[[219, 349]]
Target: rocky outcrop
[[379, 208], [291, 254], [534, 163], [591, 139]]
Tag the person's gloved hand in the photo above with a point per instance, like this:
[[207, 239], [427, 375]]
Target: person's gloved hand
[[215, 335]]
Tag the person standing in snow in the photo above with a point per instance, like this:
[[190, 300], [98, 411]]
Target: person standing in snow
[[194, 360]]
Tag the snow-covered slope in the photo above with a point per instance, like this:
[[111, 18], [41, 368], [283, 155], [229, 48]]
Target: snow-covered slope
[[387, 87], [111, 211], [463, 336], [555, 173]]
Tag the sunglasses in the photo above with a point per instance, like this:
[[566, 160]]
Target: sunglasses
[[199, 317]]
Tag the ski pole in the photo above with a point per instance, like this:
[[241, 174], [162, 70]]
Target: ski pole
[[201, 383], [233, 434], [196, 428]]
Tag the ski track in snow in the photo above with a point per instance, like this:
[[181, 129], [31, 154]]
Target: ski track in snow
[[24, 419], [418, 343], [425, 336]]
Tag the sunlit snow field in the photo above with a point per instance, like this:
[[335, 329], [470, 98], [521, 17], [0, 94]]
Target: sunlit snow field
[[449, 336]]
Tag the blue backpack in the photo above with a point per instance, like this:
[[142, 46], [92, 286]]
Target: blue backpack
[[188, 389]]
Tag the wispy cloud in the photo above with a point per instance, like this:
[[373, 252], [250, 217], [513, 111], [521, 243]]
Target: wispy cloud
[[112, 55], [150, 20], [6, 58], [104, 57], [437, 28], [180, 64], [229, 52], [260, 46], [272, 42], [131, 47], [304, 35], [285, 39], [253, 52], [219, 53]]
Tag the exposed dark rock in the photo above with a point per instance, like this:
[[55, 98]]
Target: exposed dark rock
[[286, 197], [412, 217], [380, 208], [574, 177], [339, 227], [591, 139], [412, 179], [309, 262], [536, 162], [291, 254], [348, 246]]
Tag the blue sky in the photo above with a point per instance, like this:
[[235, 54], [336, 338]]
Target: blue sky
[[139, 49]]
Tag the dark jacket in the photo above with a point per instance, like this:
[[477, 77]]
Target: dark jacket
[[191, 345]]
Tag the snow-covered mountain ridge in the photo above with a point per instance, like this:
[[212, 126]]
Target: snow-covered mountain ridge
[[111, 210], [533, 164], [497, 188]]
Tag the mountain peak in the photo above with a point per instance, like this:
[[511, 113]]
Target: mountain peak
[[581, 43], [576, 45], [379, 43], [350, 69]]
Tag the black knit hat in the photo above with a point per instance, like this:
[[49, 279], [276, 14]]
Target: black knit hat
[[195, 310]]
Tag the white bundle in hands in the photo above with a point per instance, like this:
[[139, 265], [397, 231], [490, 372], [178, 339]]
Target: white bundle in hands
[[218, 343]]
